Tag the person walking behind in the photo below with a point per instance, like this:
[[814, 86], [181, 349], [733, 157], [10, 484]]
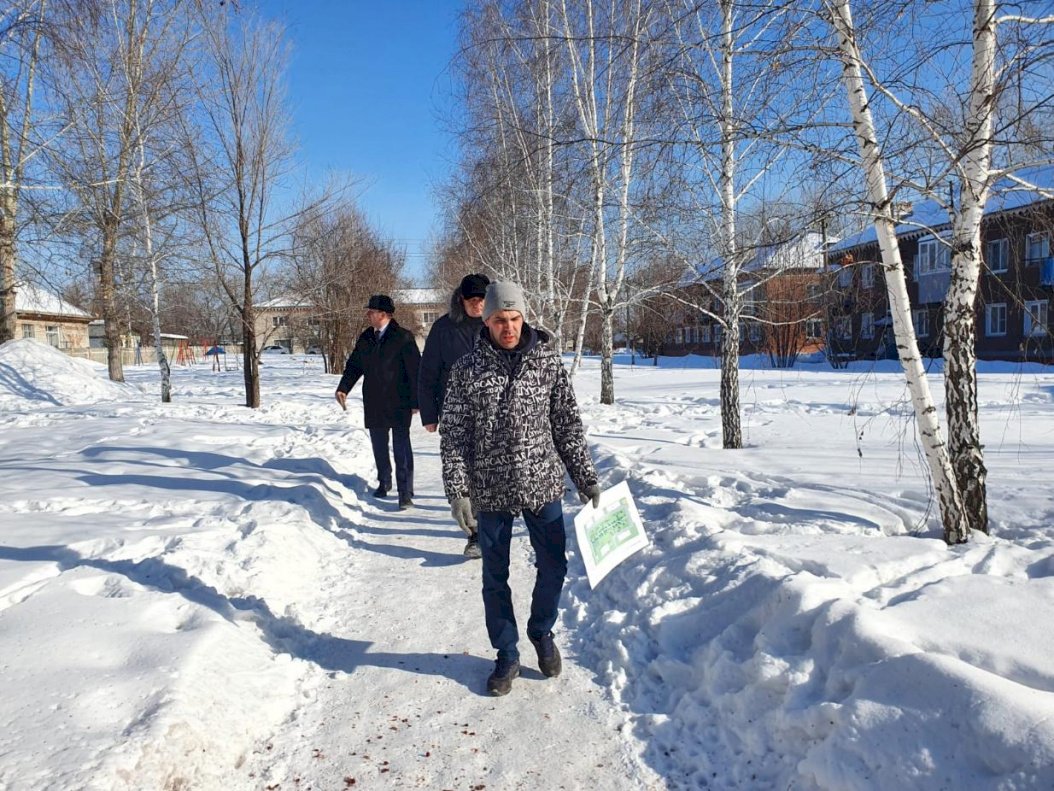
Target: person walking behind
[[510, 428], [453, 335], [386, 358]]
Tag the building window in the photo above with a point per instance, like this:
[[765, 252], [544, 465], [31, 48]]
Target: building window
[[754, 330], [1036, 317], [845, 277], [814, 290], [717, 333], [678, 337], [279, 321], [843, 327], [52, 333], [867, 276], [995, 319], [997, 255], [814, 328], [867, 325], [28, 331], [429, 317], [933, 257], [706, 333], [921, 320], [1037, 247]]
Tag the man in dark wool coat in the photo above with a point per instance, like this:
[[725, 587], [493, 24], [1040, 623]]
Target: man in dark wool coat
[[387, 359], [453, 335]]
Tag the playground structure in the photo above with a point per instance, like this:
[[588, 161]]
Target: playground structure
[[218, 354]]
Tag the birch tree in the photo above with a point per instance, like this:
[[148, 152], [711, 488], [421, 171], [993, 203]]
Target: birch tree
[[733, 100], [949, 498], [977, 112], [115, 75], [605, 52]]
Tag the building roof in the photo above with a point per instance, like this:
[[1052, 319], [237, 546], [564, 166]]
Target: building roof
[[419, 296], [927, 217], [407, 297], [284, 302], [32, 299], [804, 253]]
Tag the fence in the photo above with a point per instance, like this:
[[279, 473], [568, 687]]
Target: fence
[[147, 355]]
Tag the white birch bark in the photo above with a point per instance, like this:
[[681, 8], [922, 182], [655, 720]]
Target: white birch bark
[[620, 77], [960, 335], [936, 451], [731, 422]]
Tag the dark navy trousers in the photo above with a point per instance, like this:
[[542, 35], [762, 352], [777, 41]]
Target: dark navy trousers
[[404, 458], [546, 529]]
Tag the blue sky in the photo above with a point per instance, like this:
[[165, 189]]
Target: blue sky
[[368, 83]]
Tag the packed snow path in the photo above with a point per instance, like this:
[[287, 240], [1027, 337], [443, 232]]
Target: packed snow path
[[402, 702]]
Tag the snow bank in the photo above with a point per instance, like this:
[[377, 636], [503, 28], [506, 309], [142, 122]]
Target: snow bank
[[799, 632], [34, 374]]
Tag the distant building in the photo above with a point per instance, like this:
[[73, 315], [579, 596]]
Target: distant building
[[1015, 291], [293, 324], [418, 308], [285, 321], [782, 288], [50, 319]]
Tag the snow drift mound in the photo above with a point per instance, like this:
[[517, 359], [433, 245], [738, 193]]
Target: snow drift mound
[[36, 374]]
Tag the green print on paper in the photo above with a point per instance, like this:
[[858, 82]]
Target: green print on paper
[[611, 532]]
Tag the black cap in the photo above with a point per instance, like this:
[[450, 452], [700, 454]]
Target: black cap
[[474, 286], [381, 302]]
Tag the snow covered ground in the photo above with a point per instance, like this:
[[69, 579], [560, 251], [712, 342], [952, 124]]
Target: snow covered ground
[[203, 596]]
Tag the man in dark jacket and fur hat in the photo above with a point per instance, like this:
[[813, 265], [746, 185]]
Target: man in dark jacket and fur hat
[[510, 429], [453, 335], [386, 358]]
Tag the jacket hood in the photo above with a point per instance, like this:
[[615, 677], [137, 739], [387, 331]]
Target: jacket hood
[[457, 307]]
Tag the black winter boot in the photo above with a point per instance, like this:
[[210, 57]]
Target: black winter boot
[[500, 681], [549, 661]]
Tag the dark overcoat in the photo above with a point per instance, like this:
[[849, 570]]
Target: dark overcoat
[[452, 336], [388, 370]]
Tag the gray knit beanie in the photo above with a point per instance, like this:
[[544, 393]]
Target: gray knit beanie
[[503, 296]]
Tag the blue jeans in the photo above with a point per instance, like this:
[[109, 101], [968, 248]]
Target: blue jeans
[[404, 458], [546, 529]]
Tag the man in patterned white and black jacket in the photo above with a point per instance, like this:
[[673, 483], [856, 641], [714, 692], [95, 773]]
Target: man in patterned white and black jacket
[[510, 426]]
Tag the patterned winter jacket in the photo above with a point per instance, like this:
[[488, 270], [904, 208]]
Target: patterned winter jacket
[[510, 426]]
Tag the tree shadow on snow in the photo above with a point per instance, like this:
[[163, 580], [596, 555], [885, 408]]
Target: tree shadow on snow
[[13, 380], [281, 633]]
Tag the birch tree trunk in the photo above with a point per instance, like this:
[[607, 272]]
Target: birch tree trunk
[[960, 335], [151, 257], [949, 498], [134, 70], [731, 421]]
